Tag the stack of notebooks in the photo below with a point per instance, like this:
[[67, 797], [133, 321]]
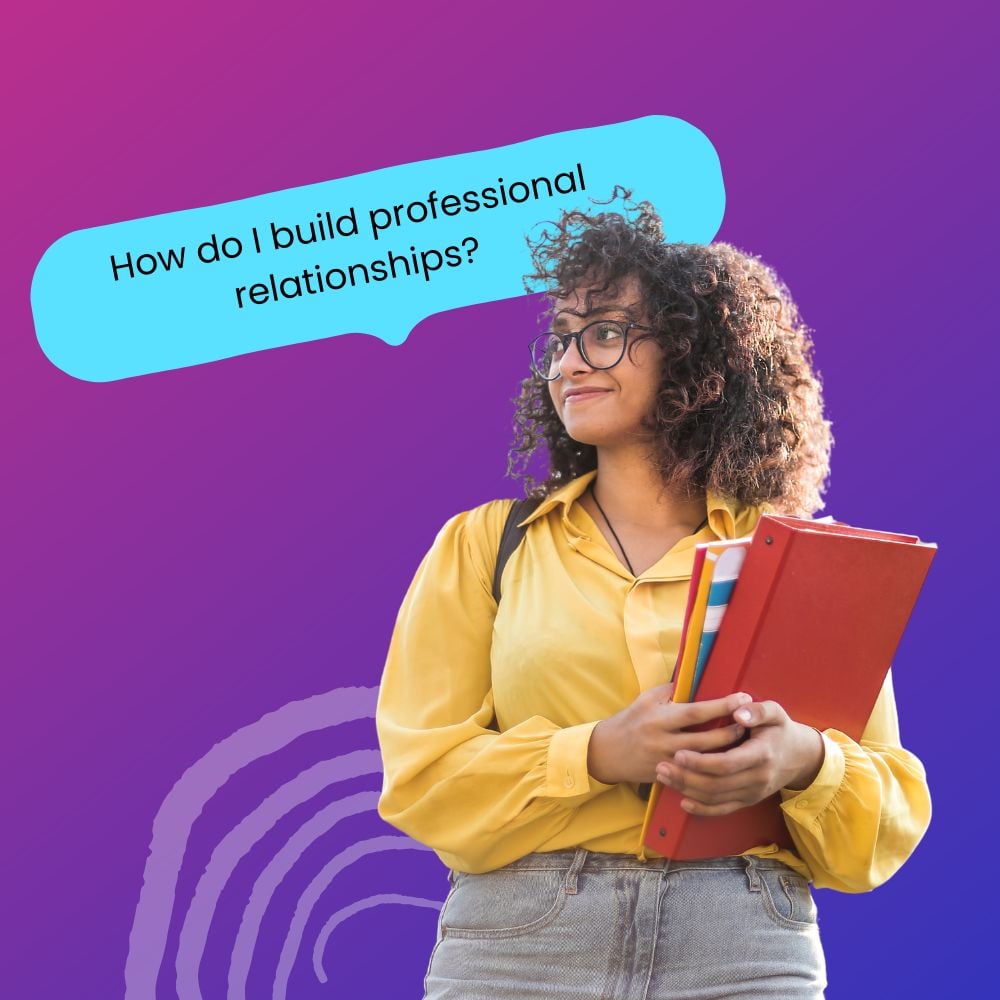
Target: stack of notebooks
[[804, 613]]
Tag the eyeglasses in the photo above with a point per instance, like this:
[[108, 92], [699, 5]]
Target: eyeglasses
[[601, 345]]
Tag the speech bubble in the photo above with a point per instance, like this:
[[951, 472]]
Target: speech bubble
[[374, 253]]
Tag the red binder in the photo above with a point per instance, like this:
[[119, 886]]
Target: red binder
[[813, 624]]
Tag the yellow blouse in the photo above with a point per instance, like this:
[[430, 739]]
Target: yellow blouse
[[576, 639]]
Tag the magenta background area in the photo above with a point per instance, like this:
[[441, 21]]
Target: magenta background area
[[185, 553]]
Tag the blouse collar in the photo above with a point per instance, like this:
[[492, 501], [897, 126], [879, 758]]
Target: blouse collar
[[727, 518]]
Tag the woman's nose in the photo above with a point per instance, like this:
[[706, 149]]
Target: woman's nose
[[572, 360]]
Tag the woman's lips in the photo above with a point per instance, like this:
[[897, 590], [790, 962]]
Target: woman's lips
[[582, 395]]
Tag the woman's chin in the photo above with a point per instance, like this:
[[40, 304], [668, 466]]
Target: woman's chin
[[605, 437], [582, 433], [596, 437]]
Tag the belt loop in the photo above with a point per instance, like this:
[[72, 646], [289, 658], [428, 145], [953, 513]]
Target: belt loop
[[574, 871], [753, 876], [665, 865]]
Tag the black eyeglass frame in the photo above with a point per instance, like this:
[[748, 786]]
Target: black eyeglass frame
[[567, 338]]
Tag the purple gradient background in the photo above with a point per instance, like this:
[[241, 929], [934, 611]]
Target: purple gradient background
[[186, 552]]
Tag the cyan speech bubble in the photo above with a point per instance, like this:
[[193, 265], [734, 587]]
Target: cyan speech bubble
[[166, 311]]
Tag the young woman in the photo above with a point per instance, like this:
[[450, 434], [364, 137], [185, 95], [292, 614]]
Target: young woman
[[675, 396]]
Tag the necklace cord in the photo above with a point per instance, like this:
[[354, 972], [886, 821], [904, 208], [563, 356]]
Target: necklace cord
[[614, 533], [593, 493]]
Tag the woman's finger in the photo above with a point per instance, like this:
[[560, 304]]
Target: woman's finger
[[718, 809], [748, 755], [711, 739], [694, 713], [762, 713], [709, 789]]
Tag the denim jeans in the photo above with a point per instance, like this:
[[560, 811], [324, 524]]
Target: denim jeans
[[585, 925]]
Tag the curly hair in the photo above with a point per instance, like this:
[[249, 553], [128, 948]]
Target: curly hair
[[739, 409]]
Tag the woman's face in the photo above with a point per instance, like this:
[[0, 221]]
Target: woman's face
[[605, 407]]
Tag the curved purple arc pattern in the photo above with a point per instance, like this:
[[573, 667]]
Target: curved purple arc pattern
[[346, 912], [314, 890], [186, 800], [239, 841], [271, 877]]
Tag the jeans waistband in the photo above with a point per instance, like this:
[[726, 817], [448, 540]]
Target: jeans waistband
[[583, 860]]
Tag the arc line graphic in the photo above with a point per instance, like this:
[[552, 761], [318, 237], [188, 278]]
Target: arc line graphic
[[185, 801], [273, 874], [309, 898], [348, 911], [239, 841]]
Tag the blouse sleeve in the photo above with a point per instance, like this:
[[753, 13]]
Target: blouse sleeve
[[867, 809], [478, 797]]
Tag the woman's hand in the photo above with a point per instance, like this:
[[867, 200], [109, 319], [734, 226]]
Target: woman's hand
[[779, 753], [629, 745]]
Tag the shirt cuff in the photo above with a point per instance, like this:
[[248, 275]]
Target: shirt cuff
[[566, 770], [808, 803]]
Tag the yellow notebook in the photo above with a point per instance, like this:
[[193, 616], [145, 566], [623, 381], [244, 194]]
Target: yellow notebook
[[687, 655]]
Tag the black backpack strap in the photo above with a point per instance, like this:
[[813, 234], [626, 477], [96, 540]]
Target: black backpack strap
[[511, 538]]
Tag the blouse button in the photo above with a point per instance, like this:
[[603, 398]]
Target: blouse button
[[568, 781]]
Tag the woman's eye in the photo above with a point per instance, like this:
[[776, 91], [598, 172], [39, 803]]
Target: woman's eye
[[608, 332]]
